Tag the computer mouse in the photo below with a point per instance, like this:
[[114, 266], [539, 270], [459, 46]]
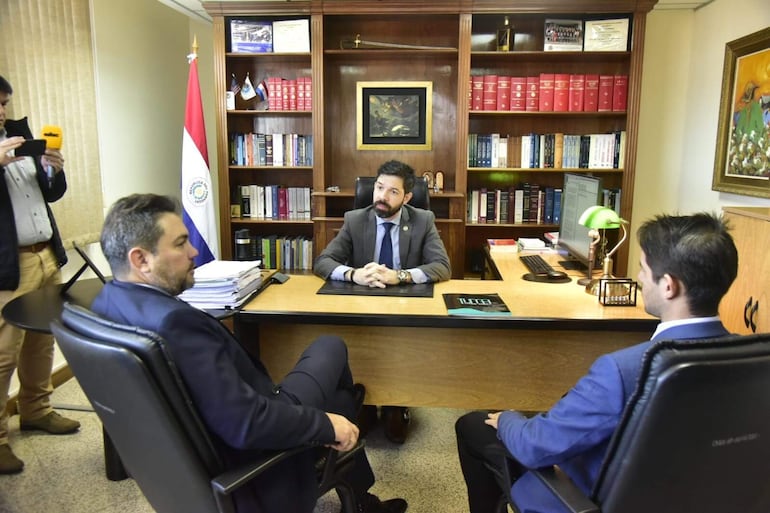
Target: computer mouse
[[554, 275]]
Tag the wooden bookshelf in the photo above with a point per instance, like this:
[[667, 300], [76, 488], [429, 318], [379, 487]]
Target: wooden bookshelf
[[453, 37]]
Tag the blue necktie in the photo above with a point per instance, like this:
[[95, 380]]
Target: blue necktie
[[386, 248]]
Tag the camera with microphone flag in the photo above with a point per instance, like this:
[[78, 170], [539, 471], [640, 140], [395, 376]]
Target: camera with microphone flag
[[52, 135]]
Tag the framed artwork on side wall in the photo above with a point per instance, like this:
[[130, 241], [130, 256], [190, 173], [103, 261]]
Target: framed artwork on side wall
[[742, 161]]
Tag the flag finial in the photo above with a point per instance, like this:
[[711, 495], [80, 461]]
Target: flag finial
[[194, 54]]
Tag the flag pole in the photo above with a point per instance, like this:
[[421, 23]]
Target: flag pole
[[197, 192]]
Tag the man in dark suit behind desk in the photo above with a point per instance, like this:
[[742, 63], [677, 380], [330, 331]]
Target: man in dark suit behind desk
[[687, 264], [412, 252], [148, 249]]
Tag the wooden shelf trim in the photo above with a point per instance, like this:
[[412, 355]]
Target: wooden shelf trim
[[541, 56], [270, 112], [249, 220], [511, 225], [370, 53], [271, 168], [543, 170], [298, 56], [349, 194], [474, 113]]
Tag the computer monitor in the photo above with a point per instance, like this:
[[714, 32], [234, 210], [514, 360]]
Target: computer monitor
[[578, 193]]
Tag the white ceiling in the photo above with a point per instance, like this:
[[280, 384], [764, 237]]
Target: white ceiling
[[194, 9]]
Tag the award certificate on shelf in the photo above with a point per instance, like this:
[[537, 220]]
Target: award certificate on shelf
[[291, 36], [606, 35]]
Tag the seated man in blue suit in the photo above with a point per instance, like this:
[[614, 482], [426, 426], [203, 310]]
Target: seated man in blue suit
[[687, 264], [147, 246]]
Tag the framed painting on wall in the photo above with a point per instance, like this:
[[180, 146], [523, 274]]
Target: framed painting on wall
[[742, 161], [394, 115]]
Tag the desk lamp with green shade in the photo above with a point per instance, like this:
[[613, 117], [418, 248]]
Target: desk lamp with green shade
[[598, 218]]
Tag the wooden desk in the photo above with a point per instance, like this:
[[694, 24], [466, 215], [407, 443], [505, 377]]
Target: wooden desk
[[408, 351]]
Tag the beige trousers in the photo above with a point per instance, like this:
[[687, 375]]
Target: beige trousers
[[29, 353]]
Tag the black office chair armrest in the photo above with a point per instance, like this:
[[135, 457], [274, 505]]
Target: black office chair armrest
[[565, 490], [226, 483], [329, 470]]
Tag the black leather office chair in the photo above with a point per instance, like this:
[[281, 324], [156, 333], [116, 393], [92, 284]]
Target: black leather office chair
[[695, 435], [365, 190], [132, 383]]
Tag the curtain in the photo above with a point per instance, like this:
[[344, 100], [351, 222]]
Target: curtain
[[46, 54]]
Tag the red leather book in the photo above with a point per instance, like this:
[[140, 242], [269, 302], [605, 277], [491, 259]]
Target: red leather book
[[576, 92], [620, 93], [503, 93], [561, 92], [478, 92], [547, 91], [605, 93], [300, 93], [591, 93], [518, 94], [489, 98], [283, 203], [284, 94], [274, 93], [292, 94], [470, 93], [533, 94], [308, 93]]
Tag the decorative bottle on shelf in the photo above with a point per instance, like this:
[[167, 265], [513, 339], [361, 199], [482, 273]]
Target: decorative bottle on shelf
[[505, 37]]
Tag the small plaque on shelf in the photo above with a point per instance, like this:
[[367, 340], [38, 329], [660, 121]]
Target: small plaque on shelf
[[251, 36], [606, 35], [563, 36]]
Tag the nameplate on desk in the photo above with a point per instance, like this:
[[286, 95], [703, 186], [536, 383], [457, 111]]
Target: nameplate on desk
[[346, 288]]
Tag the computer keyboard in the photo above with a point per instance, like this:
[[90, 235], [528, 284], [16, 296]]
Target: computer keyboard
[[536, 264], [540, 270]]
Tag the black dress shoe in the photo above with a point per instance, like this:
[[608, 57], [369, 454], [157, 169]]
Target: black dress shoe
[[359, 393], [396, 422], [370, 503], [366, 420]]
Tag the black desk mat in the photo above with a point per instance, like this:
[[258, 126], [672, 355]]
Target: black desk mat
[[346, 288]]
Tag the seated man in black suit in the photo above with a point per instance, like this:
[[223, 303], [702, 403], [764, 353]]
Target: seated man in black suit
[[411, 253], [147, 246]]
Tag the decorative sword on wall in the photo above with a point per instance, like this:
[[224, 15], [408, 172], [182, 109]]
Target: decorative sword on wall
[[363, 44]]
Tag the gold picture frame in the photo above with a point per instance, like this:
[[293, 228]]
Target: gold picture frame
[[742, 160], [394, 115]]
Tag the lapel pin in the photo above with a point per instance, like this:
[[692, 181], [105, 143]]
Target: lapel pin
[[405, 228]]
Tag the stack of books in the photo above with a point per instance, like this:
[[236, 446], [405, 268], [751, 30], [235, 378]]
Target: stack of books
[[223, 284]]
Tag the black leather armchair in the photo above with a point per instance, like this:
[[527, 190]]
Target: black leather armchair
[[695, 435], [132, 383], [365, 189]]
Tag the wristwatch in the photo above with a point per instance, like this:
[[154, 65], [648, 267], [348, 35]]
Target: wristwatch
[[403, 276]]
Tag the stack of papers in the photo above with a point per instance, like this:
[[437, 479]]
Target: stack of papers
[[525, 244], [223, 284]]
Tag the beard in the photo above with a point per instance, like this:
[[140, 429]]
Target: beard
[[174, 284], [387, 212]]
